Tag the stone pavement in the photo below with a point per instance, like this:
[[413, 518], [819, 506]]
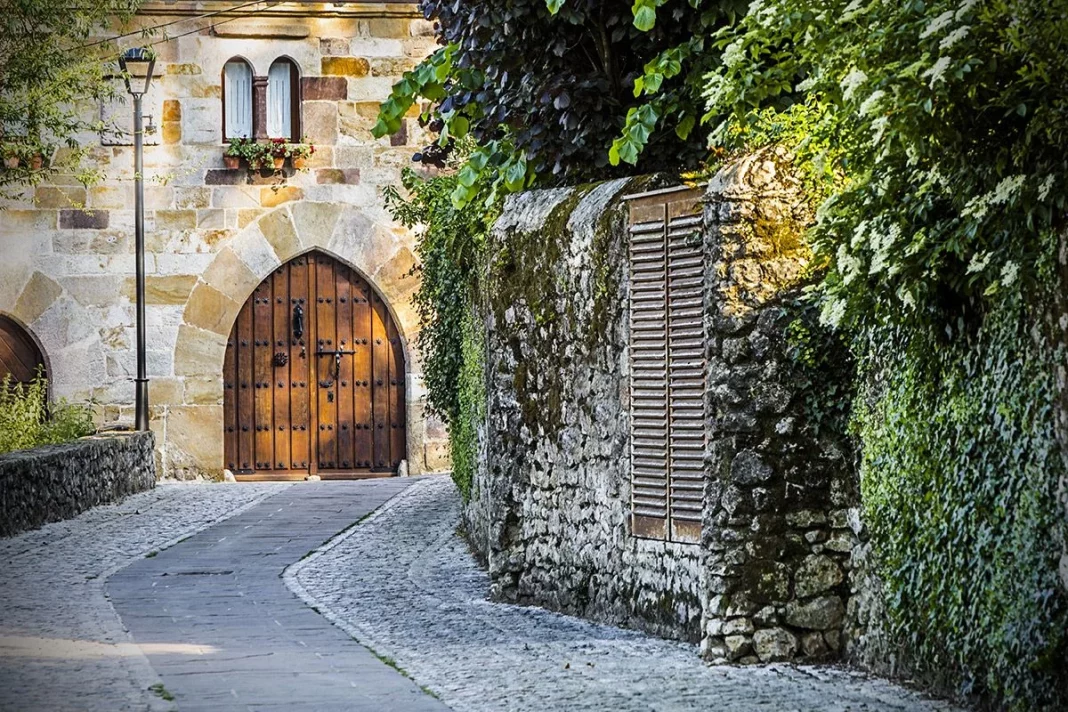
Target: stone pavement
[[224, 633], [403, 583], [61, 645]]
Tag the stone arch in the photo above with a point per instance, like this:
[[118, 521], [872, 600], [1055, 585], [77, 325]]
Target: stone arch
[[379, 254]]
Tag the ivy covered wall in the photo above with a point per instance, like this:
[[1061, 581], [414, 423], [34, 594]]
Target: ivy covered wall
[[960, 475]]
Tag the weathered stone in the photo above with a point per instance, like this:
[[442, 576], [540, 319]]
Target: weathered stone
[[748, 468], [819, 614], [58, 197], [280, 232], [172, 110], [737, 646], [230, 275], [211, 310], [170, 220], [108, 197], [816, 574], [345, 66], [218, 176], [83, 219], [203, 391], [813, 645], [172, 289], [37, 296], [774, 645], [324, 88], [320, 121], [198, 352], [194, 442], [273, 197], [334, 46], [337, 176]]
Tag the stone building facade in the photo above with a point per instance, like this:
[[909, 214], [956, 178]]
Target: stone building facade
[[562, 507], [213, 234]]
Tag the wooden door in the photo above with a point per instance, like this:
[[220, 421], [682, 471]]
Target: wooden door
[[314, 378], [20, 358]]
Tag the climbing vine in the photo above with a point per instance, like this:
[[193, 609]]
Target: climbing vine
[[449, 246], [959, 484]]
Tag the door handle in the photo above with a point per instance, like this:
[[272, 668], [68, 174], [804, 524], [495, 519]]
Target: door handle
[[298, 322], [337, 363]]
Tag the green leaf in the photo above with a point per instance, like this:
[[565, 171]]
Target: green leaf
[[644, 14], [684, 127], [515, 175], [459, 126], [554, 5]]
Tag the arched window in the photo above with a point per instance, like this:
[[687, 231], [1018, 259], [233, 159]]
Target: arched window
[[283, 101], [237, 99]]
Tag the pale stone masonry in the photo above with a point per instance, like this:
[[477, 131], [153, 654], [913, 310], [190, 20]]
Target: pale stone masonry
[[67, 268]]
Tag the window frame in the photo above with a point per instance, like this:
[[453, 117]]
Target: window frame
[[294, 100], [251, 97]]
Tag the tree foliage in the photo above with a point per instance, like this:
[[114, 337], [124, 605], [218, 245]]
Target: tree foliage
[[563, 90], [945, 121], [53, 78]]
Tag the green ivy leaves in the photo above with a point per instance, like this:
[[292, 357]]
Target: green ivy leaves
[[641, 122]]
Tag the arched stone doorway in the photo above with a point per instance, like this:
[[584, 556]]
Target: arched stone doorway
[[20, 356], [314, 377]]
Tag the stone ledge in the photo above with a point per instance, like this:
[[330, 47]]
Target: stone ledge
[[56, 482]]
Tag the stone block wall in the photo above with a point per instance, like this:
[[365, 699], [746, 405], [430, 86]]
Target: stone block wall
[[549, 507], [550, 503], [779, 491], [56, 482], [213, 234]]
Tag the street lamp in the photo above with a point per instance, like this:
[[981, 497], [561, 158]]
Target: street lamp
[[132, 62]]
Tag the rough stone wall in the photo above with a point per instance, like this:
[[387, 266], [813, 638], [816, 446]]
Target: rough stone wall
[[56, 482], [778, 491], [213, 234], [549, 506]]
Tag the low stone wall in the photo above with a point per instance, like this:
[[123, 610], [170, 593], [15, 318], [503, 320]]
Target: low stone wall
[[56, 482], [550, 503], [780, 486]]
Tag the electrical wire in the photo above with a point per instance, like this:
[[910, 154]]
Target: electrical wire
[[145, 30]]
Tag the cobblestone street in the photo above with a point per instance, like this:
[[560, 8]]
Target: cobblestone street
[[404, 584], [62, 647], [400, 581]]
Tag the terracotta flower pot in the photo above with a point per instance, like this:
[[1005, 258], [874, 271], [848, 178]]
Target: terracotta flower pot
[[11, 162], [279, 163], [299, 163], [232, 162], [37, 162]]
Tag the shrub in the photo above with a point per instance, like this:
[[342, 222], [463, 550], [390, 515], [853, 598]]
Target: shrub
[[27, 419]]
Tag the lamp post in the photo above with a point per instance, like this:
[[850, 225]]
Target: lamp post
[[137, 58]]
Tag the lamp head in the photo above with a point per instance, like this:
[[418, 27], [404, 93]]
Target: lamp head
[[136, 62]]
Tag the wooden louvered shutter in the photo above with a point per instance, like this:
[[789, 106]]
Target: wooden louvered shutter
[[667, 365], [686, 366], [649, 377]]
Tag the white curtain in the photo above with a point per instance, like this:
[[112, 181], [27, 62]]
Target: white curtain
[[280, 101], [238, 89]]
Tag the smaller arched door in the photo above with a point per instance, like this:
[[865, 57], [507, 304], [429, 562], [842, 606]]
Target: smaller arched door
[[313, 381], [20, 357]]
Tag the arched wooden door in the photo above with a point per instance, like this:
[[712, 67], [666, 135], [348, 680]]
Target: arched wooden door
[[20, 357], [313, 381]]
